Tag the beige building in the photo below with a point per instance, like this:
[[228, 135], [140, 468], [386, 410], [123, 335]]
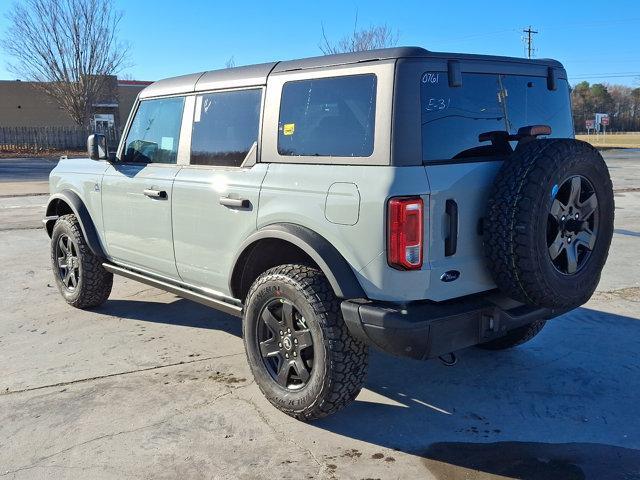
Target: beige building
[[22, 104]]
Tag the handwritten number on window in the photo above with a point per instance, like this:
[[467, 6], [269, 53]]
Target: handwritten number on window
[[430, 77], [436, 104]]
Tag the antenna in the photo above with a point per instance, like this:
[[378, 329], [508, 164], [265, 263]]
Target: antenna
[[527, 38]]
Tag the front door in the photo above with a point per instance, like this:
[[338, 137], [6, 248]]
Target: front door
[[215, 197], [137, 189]]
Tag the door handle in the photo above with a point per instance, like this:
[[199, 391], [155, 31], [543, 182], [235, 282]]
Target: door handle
[[161, 194], [451, 241], [235, 202]]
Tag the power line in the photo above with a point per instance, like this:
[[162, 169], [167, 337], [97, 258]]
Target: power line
[[528, 39]]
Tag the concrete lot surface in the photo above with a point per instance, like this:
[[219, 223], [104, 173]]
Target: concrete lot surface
[[152, 386]]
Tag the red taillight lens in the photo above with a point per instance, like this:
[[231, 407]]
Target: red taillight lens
[[406, 224]]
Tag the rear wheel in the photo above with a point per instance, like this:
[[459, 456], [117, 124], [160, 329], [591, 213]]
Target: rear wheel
[[299, 349], [79, 274], [515, 337]]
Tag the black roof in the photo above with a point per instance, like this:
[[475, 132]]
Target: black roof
[[257, 74], [393, 53]]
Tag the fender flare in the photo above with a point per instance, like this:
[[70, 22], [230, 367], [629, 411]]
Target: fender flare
[[337, 270], [77, 206]]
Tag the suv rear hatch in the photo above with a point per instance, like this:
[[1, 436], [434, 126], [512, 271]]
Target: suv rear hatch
[[461, 169]]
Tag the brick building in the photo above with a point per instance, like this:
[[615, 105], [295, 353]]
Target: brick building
[[23, 105]]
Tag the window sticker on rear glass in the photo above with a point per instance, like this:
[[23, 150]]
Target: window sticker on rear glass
[[288, 128]]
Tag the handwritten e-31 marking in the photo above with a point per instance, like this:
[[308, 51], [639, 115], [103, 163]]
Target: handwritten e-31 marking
[[437, 104]]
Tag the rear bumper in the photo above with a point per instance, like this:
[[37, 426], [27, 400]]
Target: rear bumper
[[425, 330]]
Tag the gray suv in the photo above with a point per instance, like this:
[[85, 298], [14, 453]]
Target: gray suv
[[414, 201]]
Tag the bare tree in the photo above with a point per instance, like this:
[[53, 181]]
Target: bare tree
[[69, 47], [376, 36], [230, 63]]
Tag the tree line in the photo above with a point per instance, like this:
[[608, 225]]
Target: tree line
[[622, 103]]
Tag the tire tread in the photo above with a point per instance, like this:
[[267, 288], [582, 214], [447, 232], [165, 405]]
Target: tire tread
[[347, 356]]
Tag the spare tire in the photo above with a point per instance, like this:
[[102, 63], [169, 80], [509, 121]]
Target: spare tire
[[549, 223]]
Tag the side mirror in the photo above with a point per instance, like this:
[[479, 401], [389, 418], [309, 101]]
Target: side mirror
[[97, 147]]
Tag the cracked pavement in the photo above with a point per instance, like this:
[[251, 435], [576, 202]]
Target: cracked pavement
[[153, 386]]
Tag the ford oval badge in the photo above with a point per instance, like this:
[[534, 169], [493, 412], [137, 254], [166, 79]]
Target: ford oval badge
[[450, 275]]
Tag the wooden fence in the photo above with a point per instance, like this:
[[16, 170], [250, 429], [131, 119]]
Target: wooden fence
[[50, 138]]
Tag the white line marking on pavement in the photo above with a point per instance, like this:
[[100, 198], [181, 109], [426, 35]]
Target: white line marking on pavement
[[24, 206]]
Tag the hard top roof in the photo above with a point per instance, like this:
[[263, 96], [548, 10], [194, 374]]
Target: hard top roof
[[254, 75]]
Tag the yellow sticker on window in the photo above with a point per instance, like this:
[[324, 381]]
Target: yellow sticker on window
[[289, 128]]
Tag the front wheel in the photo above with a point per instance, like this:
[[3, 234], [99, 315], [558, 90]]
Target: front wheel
[[79, 274], [300, 351]]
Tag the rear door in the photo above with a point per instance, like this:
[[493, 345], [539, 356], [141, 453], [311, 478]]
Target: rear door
[[215, 196], [461, 168], [137, 189]]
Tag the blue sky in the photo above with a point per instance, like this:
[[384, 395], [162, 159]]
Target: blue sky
[[597, 41]]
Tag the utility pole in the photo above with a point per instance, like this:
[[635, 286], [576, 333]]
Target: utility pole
[[529, 40]]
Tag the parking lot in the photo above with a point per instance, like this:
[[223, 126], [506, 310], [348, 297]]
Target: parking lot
[[153, 386]]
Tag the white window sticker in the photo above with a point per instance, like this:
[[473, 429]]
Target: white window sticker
[[166, 143], [198, 109]]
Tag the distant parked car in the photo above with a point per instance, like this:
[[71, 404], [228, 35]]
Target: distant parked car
[[418, 202]]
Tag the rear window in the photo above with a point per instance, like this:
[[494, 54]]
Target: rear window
[[331, 117], [225, 127], [453, 117]]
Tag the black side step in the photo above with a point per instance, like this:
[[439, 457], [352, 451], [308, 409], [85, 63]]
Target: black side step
[[227, 305]]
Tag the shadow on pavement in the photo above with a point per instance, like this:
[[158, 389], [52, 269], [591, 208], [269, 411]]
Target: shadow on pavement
[[534, 461], [180, 312], [563, 406]]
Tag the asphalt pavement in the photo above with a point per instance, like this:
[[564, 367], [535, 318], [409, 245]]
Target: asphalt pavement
[[25, 176], [153, 386]]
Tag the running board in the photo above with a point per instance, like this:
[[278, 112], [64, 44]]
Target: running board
[[209, 301]]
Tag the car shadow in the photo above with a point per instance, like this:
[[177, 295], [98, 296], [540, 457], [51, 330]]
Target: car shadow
[[563, 406], [533, 461], [180, 312]]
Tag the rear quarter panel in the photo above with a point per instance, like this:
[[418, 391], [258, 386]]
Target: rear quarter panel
[[297, 194]]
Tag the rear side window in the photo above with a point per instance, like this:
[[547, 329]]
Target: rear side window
[[225, 127], [328, 117], [155, 131], [453, 117]]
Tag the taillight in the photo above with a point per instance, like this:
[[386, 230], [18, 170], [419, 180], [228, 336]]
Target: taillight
[[405, 237]]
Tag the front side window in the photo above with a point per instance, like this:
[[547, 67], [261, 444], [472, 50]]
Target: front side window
[[225, 127], [155, 131], [454, 117], [330, 117]]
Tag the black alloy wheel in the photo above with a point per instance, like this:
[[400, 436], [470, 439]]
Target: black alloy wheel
[[68, 262], [286, 344], [300, 351], [79, 274], [572, 226], [549, 223]]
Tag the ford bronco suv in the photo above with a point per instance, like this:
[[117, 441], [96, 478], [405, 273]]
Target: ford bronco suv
[[414, 201]]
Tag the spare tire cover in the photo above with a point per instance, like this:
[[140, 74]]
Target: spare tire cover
[[549, 223]]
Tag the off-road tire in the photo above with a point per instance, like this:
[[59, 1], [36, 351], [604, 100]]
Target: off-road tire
[[515, 226], [94, 282], [515, 337], [340, 360]]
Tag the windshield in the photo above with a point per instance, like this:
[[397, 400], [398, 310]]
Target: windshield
[[453, 117]]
